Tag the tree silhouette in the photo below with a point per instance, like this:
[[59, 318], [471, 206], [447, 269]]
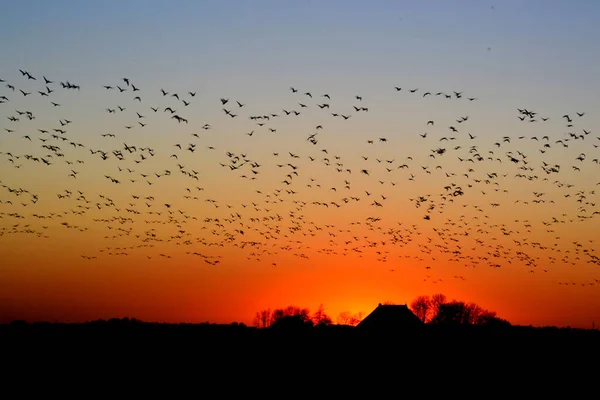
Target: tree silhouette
[[436, 302], [291, 311], [266, 318], [437, 310], [461, 313], [291, 319], [347, 318], [495, 322], [263, 319], [320, 318], [421, 306], [452, 313], [292, 315]]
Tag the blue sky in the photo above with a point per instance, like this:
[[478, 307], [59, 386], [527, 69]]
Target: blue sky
[[302, 41], [537, 54], [540, 55]]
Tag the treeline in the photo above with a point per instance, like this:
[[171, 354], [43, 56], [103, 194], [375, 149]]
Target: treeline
[[303, 317], [438, 310], [431, 310]]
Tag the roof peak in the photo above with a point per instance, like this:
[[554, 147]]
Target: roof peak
[[392, 305]]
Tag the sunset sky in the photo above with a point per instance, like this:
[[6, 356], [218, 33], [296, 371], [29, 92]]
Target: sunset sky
[[486, 190]]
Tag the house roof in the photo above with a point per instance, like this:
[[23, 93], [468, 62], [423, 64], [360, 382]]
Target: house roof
[[390, 316]]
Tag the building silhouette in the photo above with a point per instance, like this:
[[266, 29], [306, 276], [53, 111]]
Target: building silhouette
[[390, 317]]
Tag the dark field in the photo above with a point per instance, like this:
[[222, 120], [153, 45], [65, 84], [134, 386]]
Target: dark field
[[242, 360], [135, 334]]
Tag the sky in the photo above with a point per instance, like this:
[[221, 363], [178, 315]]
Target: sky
[[128, 201]]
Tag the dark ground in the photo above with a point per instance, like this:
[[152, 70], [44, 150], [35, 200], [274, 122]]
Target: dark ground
[[132, 334], [335, 360]]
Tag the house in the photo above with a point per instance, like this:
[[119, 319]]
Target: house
[[390, 317]]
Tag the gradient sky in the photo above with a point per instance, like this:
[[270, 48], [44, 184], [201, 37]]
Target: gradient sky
[[516, 240]]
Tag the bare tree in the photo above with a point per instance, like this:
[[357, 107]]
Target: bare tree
[[452, 313], [437, 310], [263, 319], [291, 318], [347, 318], [291, 311], [436, 302], [461, 313], [320, 317], [479, 315], [344, 318], [421, 307], [473, 313]]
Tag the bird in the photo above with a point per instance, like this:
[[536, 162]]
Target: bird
[[306, 177]]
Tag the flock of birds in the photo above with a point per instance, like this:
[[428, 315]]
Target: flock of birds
[[472, 184]]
